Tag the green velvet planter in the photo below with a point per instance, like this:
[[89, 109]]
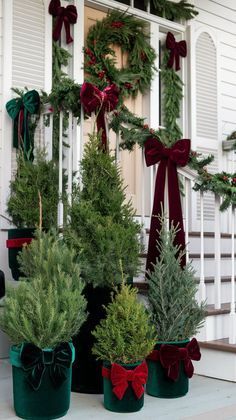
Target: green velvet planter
[[48, 402], [159, 385], [129, 403], [13, 252]]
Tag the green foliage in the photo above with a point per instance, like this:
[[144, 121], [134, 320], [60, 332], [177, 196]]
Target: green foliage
[[172, 97], [48, 255], [102, 227], [174, 11], [60, 58], [222, 184], [172, 290], [30, 180], [65, 96], [130, 33], [50, 308], [125, 335], [198, 163]]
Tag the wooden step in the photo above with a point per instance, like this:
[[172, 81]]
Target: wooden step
[[205, 234], [220, 345], [197, 256]]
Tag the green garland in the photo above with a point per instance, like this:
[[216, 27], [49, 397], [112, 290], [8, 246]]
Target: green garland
[[174, 11], [129, 33]]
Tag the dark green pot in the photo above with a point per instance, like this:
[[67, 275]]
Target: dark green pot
[[159, 385], [48, 402], [13, 252], [129, 403]]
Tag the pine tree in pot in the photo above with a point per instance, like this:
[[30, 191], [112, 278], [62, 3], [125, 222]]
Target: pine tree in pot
[[40, 316], [103, 232], [176, 316], [34, 189], [123, 340]]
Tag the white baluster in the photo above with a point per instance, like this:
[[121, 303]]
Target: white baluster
[[217, 282], [60, 204], [143, 232], [187, 193], [117, 147], [202, 286], [69, 168], [232, 315]]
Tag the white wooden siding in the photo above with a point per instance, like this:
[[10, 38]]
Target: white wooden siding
[[28, 50], [1, 101]]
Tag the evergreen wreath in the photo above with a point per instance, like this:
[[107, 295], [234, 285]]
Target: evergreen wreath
[[130, 34]]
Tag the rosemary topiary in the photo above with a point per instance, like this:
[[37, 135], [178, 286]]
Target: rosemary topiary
[[172, 293], [49, 309], [125, 335], [32, 179], [102, 228]]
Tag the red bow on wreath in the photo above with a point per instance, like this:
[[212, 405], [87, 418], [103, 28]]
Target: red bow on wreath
[[169, 158], [67, 15], [95, 100], [170, 357], [177, 49], [120, 378]]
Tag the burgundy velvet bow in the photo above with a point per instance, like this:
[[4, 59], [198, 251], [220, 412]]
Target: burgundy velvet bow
[[170, 357], [67, 15], [95, 100], [120, 378], [177, 49], [169, 158]]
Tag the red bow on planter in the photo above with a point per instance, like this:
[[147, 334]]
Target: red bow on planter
[[67, 15], [120, 378], [177, 49], [170, 357], [95, 100], [169, 158]]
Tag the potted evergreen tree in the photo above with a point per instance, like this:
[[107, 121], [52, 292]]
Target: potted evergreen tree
[[40, 316], [123, 339], [177, 317], [34, 188], [103, 232]]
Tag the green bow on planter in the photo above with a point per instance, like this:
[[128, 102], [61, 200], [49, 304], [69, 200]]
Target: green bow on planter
[[35, 361], [19, 110]]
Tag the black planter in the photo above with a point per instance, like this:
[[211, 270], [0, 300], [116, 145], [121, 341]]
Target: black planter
[[86, 371], [16, 239], [2, 284]]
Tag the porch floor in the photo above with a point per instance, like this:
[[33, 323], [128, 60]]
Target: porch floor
[[208, 399]]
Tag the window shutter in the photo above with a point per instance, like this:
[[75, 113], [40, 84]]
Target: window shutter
[[28, 50], [205, 113]]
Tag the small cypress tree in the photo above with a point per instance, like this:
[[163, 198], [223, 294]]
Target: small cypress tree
[[47, 308], [126, 334], [175, 312], [32, 179], [102, 229]]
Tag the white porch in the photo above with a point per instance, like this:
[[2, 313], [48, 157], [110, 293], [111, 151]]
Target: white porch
[[207, 399]]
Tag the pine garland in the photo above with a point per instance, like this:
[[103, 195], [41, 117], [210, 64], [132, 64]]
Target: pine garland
[[174, 11]]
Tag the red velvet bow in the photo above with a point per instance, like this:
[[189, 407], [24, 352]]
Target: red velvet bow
[[67, 15], [170, 357], [169, 158], [177, 49], [120, 378], [95, 100]]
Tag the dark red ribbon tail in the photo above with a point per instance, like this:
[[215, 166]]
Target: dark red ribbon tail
[[69, 38], [57, 29], [101, 127]]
